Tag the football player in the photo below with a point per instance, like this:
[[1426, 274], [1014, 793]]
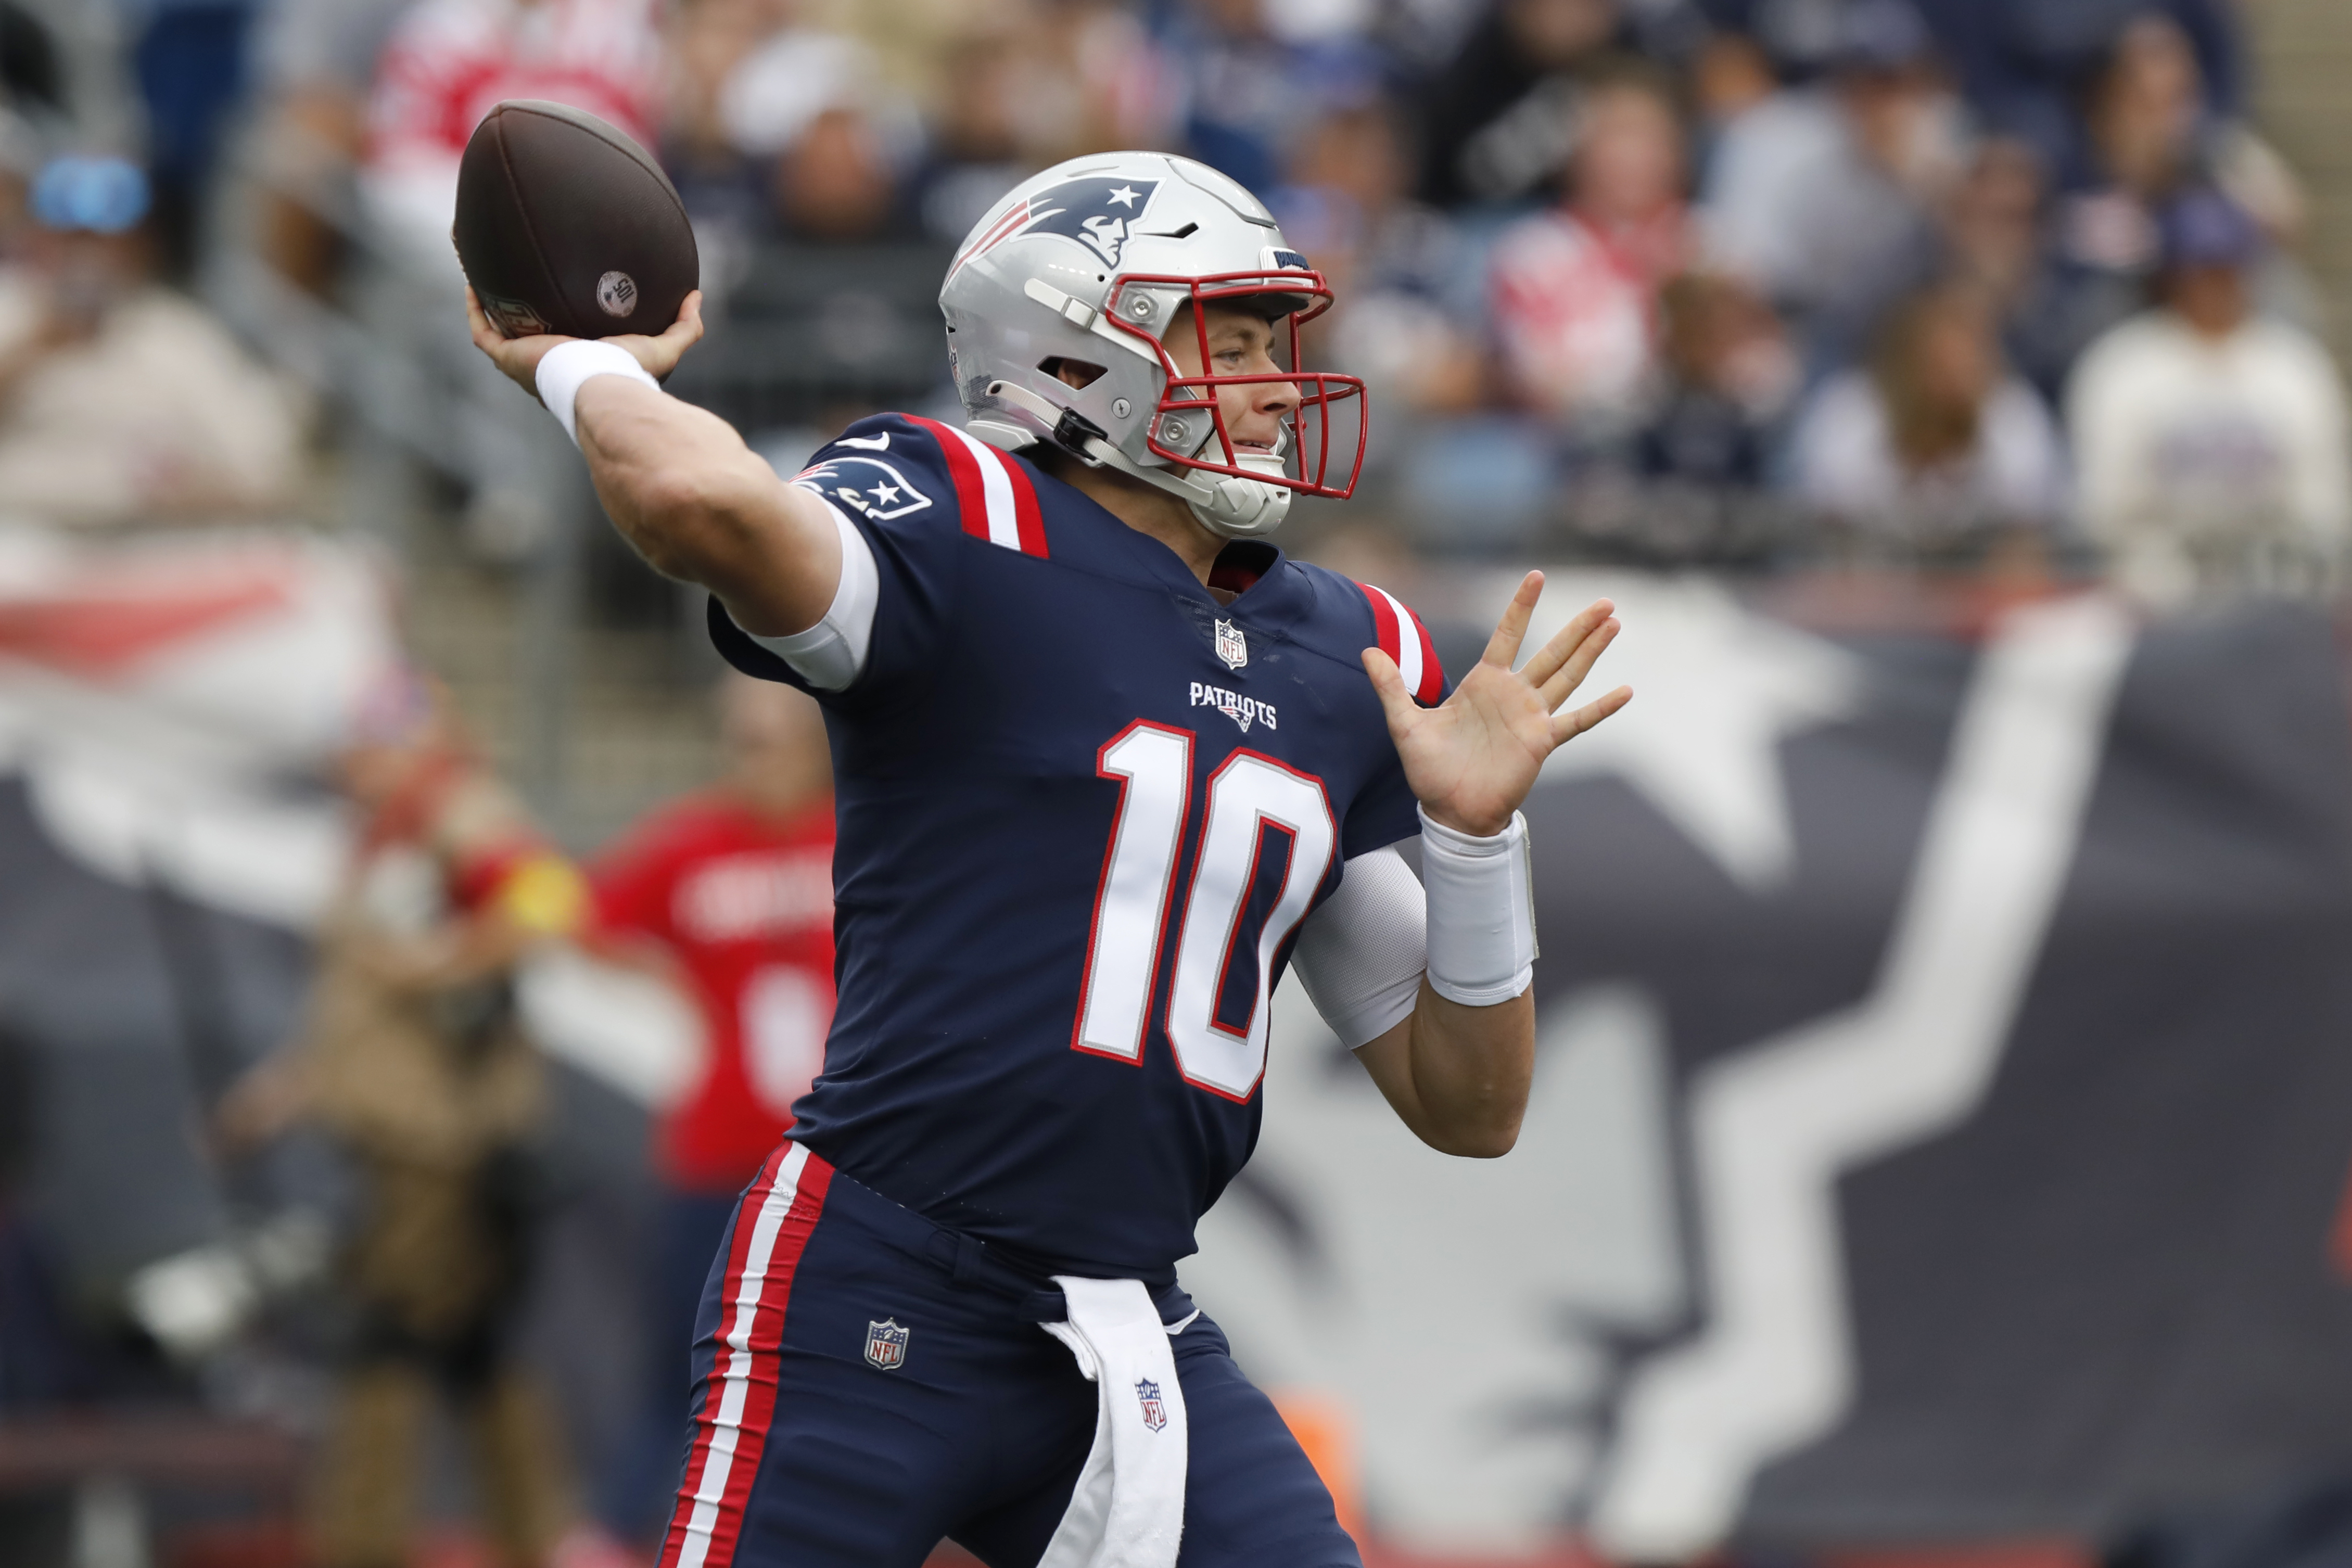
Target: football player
[[1107, 761]]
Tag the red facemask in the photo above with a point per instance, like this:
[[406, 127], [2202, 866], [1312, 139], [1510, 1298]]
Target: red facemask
[[1190, 398]]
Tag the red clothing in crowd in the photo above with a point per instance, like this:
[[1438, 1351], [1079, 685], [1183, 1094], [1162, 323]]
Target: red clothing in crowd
[[744, 902], [1574, 302], [448, 61]]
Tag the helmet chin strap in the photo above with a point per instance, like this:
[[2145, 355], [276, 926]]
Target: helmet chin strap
[[1226, 505]]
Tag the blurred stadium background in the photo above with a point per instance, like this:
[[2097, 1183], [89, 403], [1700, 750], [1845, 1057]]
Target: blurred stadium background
[[1941, 1140]]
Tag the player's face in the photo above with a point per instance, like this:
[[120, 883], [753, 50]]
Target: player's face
[[1241, 343]]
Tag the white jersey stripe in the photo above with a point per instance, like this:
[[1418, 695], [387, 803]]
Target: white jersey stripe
[[729, 1423], [1408, 640], [1004, 522]]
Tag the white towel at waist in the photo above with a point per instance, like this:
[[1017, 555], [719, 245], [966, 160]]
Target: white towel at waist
[[1129, 1509]]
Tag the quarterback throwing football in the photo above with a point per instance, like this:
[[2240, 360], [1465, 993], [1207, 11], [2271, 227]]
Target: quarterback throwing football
[[1108, 762]]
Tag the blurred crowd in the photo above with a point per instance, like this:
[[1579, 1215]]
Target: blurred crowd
[[1723, 280]]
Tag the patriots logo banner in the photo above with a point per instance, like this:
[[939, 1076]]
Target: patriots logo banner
[[1942, 1118], [1096, 214]]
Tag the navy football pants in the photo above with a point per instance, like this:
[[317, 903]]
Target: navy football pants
[[805, 1455]]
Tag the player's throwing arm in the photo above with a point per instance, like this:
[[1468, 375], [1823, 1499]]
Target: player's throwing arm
[[568, 230], [678, 481]]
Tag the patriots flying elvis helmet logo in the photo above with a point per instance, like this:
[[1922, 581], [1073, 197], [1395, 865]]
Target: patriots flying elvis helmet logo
[[1097, 212]]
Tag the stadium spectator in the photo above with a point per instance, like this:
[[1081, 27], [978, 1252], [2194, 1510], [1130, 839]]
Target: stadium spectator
[[1934, 442], [806, 108], [314, 61], [722, 185], [191, 61], [2148, 133], [982, 130], [1728, 377], [1821, 195], [448, 61], [770, 96], [2202, 429], [1392, 262], [409, 1057], [1026, 83], [837, 182], [731, 890], [1248, 89], [121, 401], [1573, 290], [1500, 117], [1995, 237], [1729, 76], [2021, 63], [1127, 93]]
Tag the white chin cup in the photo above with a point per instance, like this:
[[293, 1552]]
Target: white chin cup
[[1226, 505], [1237, 508]]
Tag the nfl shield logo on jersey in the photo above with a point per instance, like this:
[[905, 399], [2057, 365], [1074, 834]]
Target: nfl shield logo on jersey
[[1230, 648], [1155, 1413], [886, 1344]]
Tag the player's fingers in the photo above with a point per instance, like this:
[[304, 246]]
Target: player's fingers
[[1504, 645], [477, 321], [687, 330], [1547, 661], [660, 355], [1571, 674], [1567, 727], [1388, 685]]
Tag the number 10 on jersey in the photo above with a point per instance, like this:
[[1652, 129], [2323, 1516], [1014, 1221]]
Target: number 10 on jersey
[[1217, 993]]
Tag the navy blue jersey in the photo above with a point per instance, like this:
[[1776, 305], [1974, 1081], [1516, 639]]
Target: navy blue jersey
[[1083, 808]]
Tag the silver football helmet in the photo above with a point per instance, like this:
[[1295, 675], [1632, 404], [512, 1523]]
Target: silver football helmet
[[1090, 263]]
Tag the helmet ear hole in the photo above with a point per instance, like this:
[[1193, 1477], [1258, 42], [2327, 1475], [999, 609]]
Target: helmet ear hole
[[1076, 372]]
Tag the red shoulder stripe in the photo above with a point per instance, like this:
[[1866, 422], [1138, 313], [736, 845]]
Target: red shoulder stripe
[[971, 493], [997, 500], [1406, 641], [1384, 621], [1028, 521], [1432, 673]]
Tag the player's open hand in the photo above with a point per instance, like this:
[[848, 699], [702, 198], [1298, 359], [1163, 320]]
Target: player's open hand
[[519, 357], [1474, 759]]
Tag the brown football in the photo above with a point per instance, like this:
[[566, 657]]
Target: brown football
[[566, 225]]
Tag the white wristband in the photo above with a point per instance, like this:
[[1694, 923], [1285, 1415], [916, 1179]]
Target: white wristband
[[1482, 913], [567, 366]]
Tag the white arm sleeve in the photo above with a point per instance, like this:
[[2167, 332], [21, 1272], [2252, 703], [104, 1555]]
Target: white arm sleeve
[[1361, 955], [830, 654]]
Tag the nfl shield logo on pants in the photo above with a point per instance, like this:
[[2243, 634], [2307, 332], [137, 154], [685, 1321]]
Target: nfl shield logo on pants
[[886, 1344], [1230, 648], [1155, 1413]]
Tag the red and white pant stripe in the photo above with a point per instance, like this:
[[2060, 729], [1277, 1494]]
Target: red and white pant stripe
[[738, 1399]]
